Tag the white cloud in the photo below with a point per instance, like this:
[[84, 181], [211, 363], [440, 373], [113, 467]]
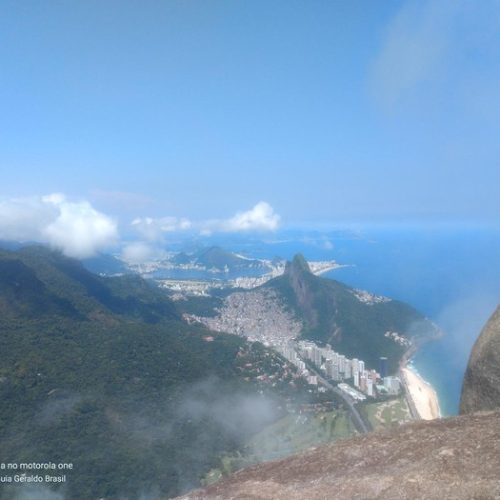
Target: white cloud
[[75, 228], [259, 218], [154, 229], [23, 219], [139, 252]]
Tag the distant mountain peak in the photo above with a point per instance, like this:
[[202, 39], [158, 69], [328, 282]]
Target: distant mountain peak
[[352, 323], [298, 265]]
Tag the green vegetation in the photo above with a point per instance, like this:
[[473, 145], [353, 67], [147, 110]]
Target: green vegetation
[[384, 414], [332, 314], [200, 305], [217, 258], [291, 434], [102, 373], [105, 264], [297, 432]]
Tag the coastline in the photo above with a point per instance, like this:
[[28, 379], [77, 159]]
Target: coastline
[[422, 397]]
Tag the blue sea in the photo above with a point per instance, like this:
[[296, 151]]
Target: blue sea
[[452, 275]]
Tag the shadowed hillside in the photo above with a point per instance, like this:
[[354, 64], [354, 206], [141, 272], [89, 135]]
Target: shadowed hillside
[[102, 373]]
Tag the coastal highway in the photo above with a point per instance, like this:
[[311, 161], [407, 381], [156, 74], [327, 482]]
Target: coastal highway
[[361, 425], [411, 405]]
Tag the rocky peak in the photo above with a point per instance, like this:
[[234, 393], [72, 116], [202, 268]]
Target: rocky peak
[[481, 387], [297, 266], [299, 276]]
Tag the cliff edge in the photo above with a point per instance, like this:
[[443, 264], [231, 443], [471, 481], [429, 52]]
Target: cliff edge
[[450, 458], [481, 387]]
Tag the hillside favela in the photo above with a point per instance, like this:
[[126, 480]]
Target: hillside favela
[[249, 250]]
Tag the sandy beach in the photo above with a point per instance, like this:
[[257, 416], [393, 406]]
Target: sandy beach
[[422, 394]]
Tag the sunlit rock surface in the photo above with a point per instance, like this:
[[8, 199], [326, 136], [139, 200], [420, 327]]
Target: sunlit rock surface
[[481, 388], [455, 458]]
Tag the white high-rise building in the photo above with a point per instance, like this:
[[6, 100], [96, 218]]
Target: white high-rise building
[[317, 356], [347, 369], [329, 368], [335, 373], [326, 352], [392, 384], [341, 363], [362, 383], [369, 387], [356, 379], [361, 366], [306, 352], [355, 365]]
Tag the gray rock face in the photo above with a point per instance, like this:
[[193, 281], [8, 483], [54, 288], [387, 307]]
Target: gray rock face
[[455, 458], [481, 387]]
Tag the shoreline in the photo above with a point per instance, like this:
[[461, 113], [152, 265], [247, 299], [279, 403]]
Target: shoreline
[[421, 396]]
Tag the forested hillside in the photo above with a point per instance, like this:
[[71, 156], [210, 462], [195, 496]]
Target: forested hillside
[[102, 373]]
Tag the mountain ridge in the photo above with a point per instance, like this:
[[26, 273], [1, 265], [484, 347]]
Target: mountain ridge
[[336, 314], [103, 373]]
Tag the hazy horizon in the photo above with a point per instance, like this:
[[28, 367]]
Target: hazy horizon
[[121, 119]]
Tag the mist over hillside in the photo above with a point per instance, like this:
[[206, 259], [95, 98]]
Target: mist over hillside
[[102, 373], [231, 232]]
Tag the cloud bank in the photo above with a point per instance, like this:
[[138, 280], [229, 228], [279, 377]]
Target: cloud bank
[[75, 228], [154, 229], [139, 252], [151, 232], [261, 217], [80, 231]]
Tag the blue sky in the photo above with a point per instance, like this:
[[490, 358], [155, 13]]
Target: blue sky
[[323, 110]]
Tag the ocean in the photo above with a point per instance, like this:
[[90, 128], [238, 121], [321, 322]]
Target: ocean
[[452, 275]]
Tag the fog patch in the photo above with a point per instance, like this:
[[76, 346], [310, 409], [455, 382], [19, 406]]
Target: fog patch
[[463, 320], [56, 408], [207, 419], [237, 413], [145, 430]]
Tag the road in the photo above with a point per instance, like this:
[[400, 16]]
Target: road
[[361, 425], [411, 405]]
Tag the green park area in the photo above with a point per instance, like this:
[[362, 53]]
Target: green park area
[[291, 434], [386, 414]]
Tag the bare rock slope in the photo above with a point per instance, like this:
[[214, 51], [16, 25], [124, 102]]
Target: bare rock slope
[[481, 387], [455, 458]]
